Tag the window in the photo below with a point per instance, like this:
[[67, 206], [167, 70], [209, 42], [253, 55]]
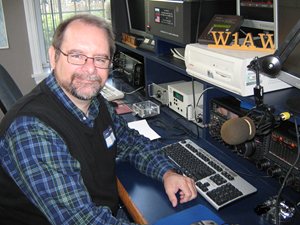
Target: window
[[50, 13]]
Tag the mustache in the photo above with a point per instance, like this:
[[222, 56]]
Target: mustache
[[96, 85], [90, 77]]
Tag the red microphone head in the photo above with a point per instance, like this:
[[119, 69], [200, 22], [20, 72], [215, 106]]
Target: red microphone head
[[238, 130]]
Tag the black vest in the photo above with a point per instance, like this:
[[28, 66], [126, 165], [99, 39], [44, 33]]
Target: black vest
[[85, 144]]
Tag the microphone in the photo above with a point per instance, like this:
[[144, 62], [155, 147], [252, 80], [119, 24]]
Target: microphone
[[238, 130]]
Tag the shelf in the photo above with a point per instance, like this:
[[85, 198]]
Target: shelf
[[165, 60], [275, 98]]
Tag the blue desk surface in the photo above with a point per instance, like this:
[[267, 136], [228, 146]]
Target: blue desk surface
[[150, 197], [190, 215]]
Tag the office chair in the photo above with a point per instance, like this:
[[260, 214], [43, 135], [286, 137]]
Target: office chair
[[9, 91]]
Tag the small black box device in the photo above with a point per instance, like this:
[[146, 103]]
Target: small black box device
[[183, 21], [221, 23]]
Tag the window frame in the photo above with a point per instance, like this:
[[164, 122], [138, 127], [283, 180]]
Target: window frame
[[40, 65]]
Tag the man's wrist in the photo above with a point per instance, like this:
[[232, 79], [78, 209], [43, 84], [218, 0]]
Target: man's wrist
[[171, 171]]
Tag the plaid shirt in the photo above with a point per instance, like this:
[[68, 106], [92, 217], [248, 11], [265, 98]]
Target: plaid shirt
[[33, 153]]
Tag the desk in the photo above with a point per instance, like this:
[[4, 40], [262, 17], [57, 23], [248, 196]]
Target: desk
[[150, 198]]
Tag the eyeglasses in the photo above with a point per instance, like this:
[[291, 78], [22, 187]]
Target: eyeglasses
[[80, 59]]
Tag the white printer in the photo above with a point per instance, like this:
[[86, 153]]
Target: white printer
[[227, 68]]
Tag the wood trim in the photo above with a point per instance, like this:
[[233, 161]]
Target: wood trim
[[130, 206]]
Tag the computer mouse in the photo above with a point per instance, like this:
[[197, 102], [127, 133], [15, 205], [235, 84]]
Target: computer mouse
[[114, 104], [204, 222]]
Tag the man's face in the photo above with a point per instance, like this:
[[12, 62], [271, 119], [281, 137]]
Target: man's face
[[83, 82]]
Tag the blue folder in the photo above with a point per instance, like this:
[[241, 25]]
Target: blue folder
[[191, 215]]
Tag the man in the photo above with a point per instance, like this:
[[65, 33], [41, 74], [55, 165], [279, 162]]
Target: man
[[59, 142]]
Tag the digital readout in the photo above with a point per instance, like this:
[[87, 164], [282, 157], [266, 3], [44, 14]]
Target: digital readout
[[224, 112], [178, 96], [222, 26]]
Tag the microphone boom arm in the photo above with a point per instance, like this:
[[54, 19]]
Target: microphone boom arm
[[271, 65]]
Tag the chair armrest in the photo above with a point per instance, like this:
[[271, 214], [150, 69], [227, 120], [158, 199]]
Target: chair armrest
[[130, 206]]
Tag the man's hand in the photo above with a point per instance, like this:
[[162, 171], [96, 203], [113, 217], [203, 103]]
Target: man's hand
[[175, 182]]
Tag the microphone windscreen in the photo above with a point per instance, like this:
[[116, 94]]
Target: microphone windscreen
[[238, 130]]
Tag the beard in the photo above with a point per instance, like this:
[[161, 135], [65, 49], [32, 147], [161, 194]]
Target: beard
[[81, 90]]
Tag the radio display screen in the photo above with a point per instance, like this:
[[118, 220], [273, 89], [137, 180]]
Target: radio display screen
[[178, 96], [222, 26], [225, 113]]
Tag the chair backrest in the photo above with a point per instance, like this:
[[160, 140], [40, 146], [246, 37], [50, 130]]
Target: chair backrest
[[9, 91]]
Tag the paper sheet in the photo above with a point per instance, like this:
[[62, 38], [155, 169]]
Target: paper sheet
[[143, 128]]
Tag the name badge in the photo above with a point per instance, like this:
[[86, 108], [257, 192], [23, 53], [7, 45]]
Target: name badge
[[109, 137]]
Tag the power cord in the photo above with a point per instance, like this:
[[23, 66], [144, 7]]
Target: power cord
[[166, 127], [155, 122], [201, 94], [130, 93], [181, 128], [114, 76], [190, 132]]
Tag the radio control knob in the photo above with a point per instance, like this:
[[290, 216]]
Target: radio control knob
[[158, 94], [246, 149], [263, 164], [199, 120], [289, 182], [274, 171]]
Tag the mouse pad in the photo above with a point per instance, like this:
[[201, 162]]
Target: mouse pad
[[191, 215], [122, 108]]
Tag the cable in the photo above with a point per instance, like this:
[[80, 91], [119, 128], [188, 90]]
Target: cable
[[166, 127], [130, 93], [114, 76], [189, 133], [198, 24], [265, 120], [194, 103], [201, 94], [277, 215], [243, 32]]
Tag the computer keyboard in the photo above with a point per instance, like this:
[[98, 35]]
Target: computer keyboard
[[217, 183], [111, 93]]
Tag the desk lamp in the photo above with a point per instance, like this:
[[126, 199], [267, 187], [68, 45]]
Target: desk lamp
[[270, 66]]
